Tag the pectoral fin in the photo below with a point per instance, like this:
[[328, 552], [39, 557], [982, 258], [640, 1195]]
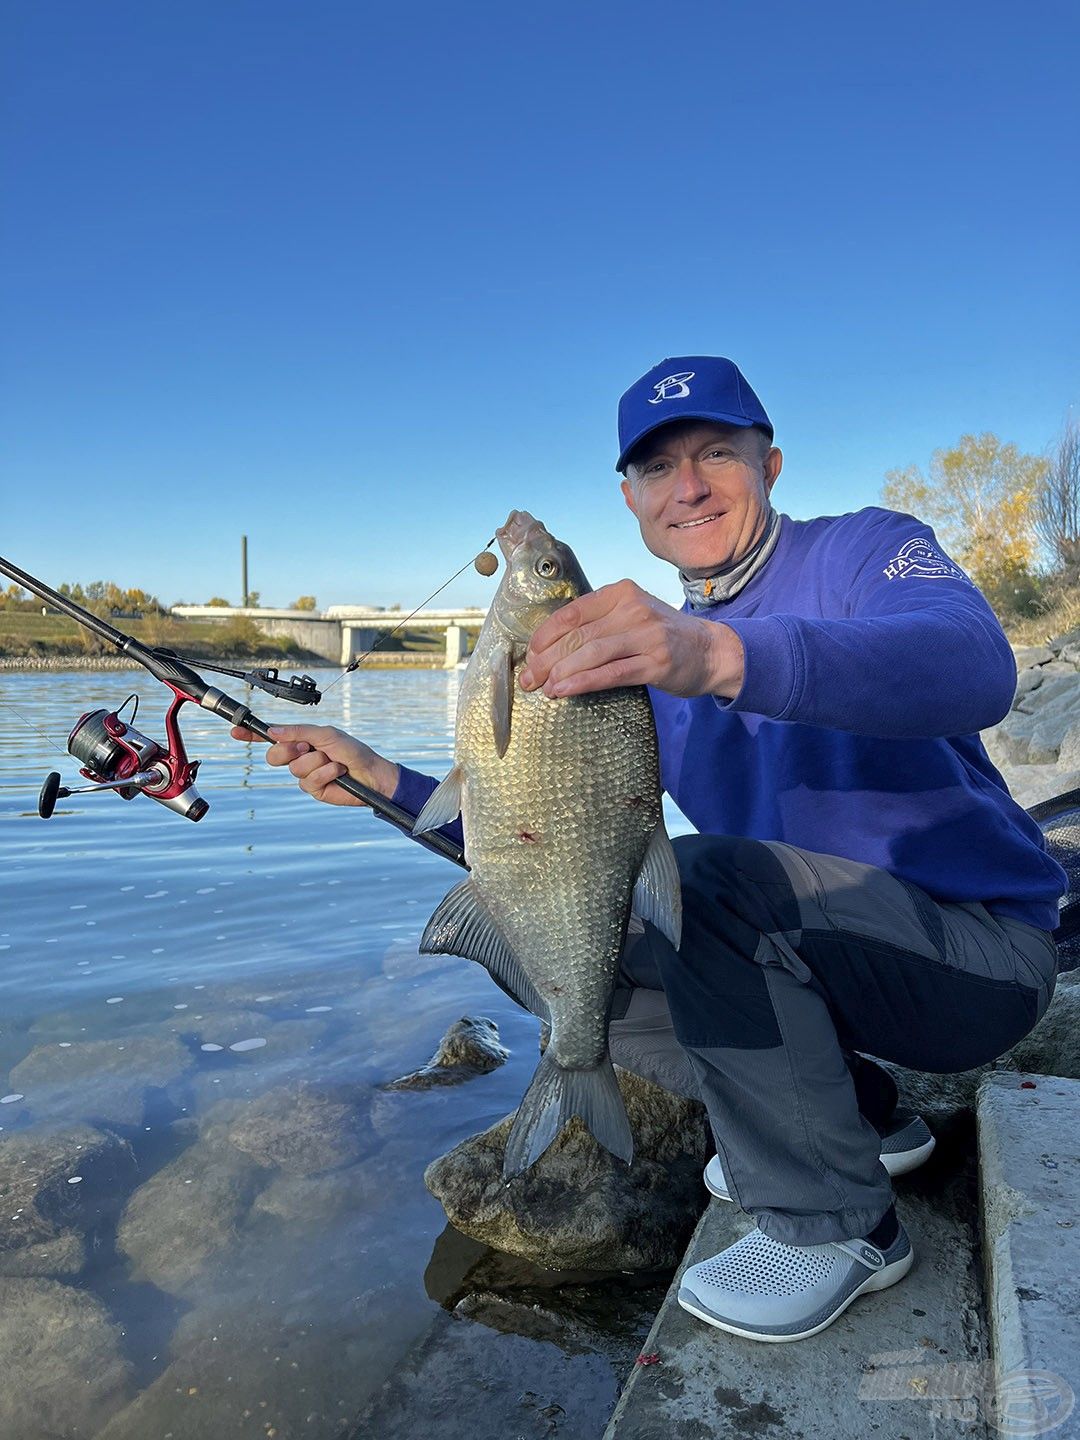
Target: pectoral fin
[[502, 696], [443, 804], [461, 925], [658, 894]]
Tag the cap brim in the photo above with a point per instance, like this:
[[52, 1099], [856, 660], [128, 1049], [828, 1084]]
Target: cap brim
[[740, 420]]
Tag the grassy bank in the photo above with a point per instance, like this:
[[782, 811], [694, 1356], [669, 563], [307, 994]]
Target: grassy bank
[[27, 634]]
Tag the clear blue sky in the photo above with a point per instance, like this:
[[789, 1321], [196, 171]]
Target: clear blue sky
[[355, 279]]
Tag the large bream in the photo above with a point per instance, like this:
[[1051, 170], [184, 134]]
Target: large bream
[[560, 805]]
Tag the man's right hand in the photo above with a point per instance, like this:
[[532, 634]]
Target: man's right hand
[[320, 754]]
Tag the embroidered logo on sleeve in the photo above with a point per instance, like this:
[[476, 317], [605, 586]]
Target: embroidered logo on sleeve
[[922, 557]]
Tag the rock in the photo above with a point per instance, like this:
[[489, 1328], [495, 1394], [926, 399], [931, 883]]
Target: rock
[[1069, 750], [63, 1255], [187, 1213], [470, 1047], [106, 1081], [40, 1211], [1070, 654], [303, 1129], [64, 1370], [1030, 655], [1053, 1047], [1031, 784], [240, 1367], [318, 1199], [578, 1207]]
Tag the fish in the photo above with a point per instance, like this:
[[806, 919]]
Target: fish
[[560, 804]]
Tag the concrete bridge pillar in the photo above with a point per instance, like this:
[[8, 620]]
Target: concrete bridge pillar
[[355, 642], [456, 646]]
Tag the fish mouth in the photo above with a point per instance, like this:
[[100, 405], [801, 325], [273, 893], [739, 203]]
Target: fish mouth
[[518, 528]]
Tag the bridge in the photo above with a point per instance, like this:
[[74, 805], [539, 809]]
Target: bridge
[[342, 632]]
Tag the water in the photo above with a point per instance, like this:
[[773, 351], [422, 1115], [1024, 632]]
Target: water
[[256, 1252]]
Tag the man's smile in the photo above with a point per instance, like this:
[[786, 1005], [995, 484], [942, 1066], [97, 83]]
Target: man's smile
[[701, 520]]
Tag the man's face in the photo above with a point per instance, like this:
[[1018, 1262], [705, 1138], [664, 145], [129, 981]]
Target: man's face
[[700, 492]]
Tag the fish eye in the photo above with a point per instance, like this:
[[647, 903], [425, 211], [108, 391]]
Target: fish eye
[[546, 568]]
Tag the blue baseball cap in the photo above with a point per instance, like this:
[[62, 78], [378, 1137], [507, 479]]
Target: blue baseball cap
[[692, 387]]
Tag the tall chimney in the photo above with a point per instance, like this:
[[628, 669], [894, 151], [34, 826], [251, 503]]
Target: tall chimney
[[243, 571]]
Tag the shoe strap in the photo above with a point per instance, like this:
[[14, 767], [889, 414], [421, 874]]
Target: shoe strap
[[862, 1251]]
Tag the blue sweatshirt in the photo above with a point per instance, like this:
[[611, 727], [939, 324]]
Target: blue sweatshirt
[[871, 664]]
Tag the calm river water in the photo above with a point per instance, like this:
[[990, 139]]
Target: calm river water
[[192, 990]]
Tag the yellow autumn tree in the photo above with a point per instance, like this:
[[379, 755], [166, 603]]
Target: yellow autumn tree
[[980, 498]]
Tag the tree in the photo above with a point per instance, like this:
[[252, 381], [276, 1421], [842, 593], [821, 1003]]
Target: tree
[[1057, 505], [980, 497], [254, 600], [217, 600], [305, 602]]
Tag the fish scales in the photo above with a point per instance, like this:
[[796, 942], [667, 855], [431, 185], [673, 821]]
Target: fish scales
[[561, 809], [555, 833]]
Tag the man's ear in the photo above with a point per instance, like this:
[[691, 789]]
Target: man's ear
[[628, 496], [772, 465]]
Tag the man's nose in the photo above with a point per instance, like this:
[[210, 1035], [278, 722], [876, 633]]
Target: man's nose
[[690, 483]]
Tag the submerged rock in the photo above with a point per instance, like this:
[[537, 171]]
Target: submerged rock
[[187, 1214], [107, 1081], [302, 1129], [54, 1185], [578, 1207], [470, 1047], [64, 1369]]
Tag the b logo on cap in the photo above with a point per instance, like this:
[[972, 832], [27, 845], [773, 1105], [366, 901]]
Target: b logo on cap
[[673, 388]]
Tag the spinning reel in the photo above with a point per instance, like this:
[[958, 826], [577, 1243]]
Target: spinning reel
[[118, 757]]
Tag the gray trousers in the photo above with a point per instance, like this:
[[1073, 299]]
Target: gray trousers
[[791, 964]]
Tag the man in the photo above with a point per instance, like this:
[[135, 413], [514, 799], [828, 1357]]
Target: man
[[861, 882]]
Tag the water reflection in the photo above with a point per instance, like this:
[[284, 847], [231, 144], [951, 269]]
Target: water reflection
[[212, 1218]]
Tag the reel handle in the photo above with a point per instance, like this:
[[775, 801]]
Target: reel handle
[[50, 793]]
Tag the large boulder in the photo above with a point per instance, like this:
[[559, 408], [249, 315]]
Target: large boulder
[[64, 1370], [578, 1207]]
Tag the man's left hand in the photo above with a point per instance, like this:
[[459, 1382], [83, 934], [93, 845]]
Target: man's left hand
[[622, 635]]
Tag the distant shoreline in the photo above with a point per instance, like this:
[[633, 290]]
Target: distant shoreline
[[394, 660]]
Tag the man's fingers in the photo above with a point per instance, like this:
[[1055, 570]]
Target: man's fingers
[[315, 780], [592, 657]]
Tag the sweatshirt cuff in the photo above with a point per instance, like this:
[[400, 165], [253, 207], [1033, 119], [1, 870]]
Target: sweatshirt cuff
[[413, 789], [772, 673]]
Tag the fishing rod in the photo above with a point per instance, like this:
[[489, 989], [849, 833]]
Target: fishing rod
[[117, 757]]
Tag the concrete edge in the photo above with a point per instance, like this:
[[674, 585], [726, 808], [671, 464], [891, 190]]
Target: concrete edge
[[1029, 1183]]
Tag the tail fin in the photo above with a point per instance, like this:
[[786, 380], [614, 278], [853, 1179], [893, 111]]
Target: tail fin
[[553, 1097]]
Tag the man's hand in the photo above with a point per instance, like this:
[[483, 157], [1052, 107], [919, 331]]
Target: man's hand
[[622, 635], [319, 754]]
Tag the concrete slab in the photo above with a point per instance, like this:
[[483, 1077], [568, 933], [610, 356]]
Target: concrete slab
[[904, 1364], [1029, 1152]]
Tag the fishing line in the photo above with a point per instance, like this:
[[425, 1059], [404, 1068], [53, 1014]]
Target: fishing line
[[355, 664], [46, 737]]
